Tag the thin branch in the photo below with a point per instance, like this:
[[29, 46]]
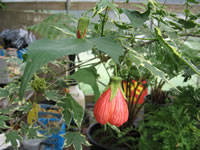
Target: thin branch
[[147, 43], [102, 83], [106, 69], [188, 34], [68, 70], [129, 37]]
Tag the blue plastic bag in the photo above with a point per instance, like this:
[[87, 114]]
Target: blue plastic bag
[[1, 52], [20, 53]]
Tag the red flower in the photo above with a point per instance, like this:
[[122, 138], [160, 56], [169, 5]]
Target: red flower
[[113, 111]]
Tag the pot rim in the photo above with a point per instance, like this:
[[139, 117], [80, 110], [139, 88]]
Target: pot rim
[[93, 142]]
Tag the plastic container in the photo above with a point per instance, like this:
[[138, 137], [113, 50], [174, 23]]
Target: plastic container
[[77, 95], [32, 144]]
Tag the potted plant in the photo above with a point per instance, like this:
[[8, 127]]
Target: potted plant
[[126, 136], [117, 42]]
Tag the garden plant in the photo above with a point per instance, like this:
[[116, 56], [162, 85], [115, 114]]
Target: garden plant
[[152, 44]]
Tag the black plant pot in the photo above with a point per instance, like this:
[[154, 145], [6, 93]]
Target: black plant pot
[[95, 144]]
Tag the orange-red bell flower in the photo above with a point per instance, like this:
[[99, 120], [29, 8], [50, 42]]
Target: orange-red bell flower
[[113, 111]]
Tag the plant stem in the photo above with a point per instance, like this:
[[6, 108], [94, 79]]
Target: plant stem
[[84, 62], [129, 85], [104, 21], [191, 66], [101, 83], [115, 69], [189, 34], [186, 14], [68, 70], [106, 70], [131, 111], [129, 37]]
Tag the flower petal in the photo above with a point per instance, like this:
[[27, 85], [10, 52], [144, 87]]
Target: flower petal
[[104, 108], [120, 114], [78, 34]]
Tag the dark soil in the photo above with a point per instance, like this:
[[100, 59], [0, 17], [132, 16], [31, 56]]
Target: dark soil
[[109, 138]]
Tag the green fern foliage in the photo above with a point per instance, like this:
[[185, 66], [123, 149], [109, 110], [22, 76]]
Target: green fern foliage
[[56, 26], [170, 128]]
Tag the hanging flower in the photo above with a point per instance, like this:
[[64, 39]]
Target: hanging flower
[[82, 27], [111, 107]]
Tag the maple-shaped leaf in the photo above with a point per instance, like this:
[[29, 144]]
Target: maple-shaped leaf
[[136, 18], [13, 138], [76, 139], [53, 95], [29, 131], [71, 109]]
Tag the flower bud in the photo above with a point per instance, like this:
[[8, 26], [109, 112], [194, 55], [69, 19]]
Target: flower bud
[[82, 28]]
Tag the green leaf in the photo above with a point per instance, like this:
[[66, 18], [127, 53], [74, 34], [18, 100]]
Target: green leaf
[[4, 118], [175, 25], [49, 27], [139, 60], [114, 128], [66, 31], [122, 25], [78, 112], [3, 125], [27, 130], [8, 110], [52, 95], [71, 109], [43, 51], [193, 1], [108, 46], [103, 4], [67, 113], [25, 107], [173, 49], [137, 19], [4, 93], [88, 76], [12, 137], [76, 139], [188, 24]]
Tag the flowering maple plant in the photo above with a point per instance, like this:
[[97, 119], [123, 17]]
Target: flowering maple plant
[[130, 45]]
